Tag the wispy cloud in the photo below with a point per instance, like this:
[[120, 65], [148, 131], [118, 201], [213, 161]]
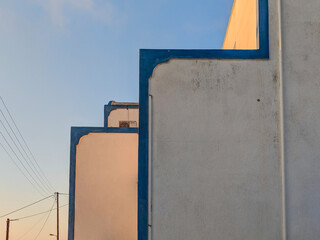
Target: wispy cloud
[[102, 11]]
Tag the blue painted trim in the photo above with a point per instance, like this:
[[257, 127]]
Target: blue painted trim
[[109, 108], [149, 59], [76, 134]]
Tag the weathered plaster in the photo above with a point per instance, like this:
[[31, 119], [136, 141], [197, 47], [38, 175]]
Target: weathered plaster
[[214, 143], [234, 144], [301, 76]]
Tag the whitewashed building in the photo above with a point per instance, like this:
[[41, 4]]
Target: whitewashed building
[[104, 176], [229, 140], [228, 143]]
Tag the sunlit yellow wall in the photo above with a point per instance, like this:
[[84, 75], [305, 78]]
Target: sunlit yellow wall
[[106, 187], [242, 31]]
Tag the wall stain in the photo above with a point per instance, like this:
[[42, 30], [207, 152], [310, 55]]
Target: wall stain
[[195, 84], [234, 68], [275, 77]]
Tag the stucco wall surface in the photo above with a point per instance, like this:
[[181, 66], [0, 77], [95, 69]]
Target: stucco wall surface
[[215, 151], [215, 148], [235, 143], [301, 75], [106, 187]]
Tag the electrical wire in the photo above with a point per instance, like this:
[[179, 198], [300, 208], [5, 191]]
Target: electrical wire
[[22, 163], [37, 214], [41, 186], [45, 221], [29, 205], [64, 194], [32, 155], [30, 229], [14, 134], [11, 158]]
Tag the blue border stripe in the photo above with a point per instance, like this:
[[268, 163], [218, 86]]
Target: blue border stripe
[[149, 59]]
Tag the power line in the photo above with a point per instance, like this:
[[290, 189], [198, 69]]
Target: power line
[[64, 193], [45, 221], [42, 186], [21, 161], [30, 229], [29, 205], [32, 155], [19, 168], [38, 174], [37, 214]]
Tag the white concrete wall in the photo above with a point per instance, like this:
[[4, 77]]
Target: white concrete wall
[[215, 151], [106, 187], [215, 148], [235, 143], [123, 114], [301, 75]]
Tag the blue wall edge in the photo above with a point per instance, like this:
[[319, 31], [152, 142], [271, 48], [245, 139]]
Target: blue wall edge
[[149, 59]]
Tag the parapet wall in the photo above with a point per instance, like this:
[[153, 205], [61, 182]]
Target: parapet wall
[[229, 141]]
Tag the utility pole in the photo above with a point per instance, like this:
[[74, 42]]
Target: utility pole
[[8, 226], [57, 198]]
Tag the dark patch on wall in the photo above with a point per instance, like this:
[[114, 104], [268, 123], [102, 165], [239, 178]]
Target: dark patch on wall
[[195, 84], [234, 68], [275, 77]]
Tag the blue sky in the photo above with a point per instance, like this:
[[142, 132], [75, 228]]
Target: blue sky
[[62, 60]]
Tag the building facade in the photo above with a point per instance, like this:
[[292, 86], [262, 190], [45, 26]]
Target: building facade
[[104, 176], [228, 144], [229, 139]]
